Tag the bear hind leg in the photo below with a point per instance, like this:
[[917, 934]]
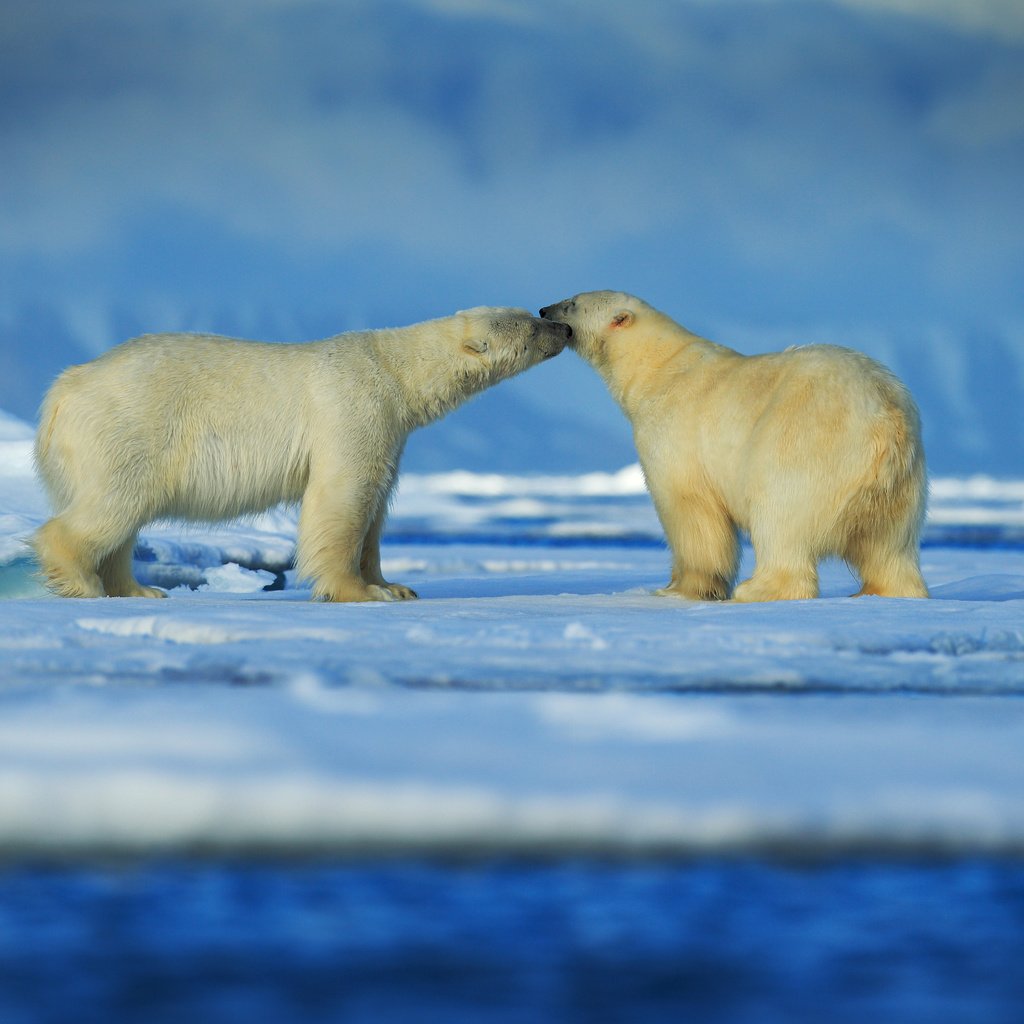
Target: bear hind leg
[[67, 560], [886, 572], [882, 544]]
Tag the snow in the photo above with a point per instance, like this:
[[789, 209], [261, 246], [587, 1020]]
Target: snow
[[537, 699]]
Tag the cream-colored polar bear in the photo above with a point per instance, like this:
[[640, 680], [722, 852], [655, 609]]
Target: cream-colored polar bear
[[204, 428], [814, 451]]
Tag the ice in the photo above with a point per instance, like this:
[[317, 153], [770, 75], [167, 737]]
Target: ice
[[538, 698], [233, 579]]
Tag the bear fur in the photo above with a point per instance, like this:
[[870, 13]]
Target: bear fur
[[814, 452], [204, 428]]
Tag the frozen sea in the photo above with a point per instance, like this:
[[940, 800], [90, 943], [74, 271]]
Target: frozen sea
[[537, 793]]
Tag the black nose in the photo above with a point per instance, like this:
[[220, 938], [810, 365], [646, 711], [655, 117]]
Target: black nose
[[544, 312]]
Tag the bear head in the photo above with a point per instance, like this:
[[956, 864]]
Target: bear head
[[597, 318]]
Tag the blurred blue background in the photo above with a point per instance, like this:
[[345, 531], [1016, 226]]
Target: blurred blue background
[[768, 172]]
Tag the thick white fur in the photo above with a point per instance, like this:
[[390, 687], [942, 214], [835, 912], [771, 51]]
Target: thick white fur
[[815, 451], [204, 428]]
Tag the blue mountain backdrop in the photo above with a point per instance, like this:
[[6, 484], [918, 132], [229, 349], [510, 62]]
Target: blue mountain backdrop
[[769, 172]]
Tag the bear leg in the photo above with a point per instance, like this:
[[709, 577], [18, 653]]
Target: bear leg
[[115, 570], [883, 528], [67, 560], [787, 544], [786, 566], [793, 583], [696, 585], [885, 573], [337, 513], [705, 549], [369, 562]]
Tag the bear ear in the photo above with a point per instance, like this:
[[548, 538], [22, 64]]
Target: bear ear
[[478, 345], [623, 318]]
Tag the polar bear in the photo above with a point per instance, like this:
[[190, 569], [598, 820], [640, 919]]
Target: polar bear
[[204, 428], [814, 451]]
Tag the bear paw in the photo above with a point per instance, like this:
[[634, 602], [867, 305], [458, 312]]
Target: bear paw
[[138, 590]]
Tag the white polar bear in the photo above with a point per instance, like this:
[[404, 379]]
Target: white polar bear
[[814, 451], [204, 428]]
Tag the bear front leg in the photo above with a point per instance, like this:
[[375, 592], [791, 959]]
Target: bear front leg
[[369, 564], [786, 568], [338, 510], [705, 548], [118, 579]]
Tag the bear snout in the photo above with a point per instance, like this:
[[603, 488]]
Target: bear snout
[[547, 313], [551, 338]]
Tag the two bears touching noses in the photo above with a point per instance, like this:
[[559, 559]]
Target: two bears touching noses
[[813, 452]]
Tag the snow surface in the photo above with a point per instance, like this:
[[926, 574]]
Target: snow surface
[[536, 699]]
